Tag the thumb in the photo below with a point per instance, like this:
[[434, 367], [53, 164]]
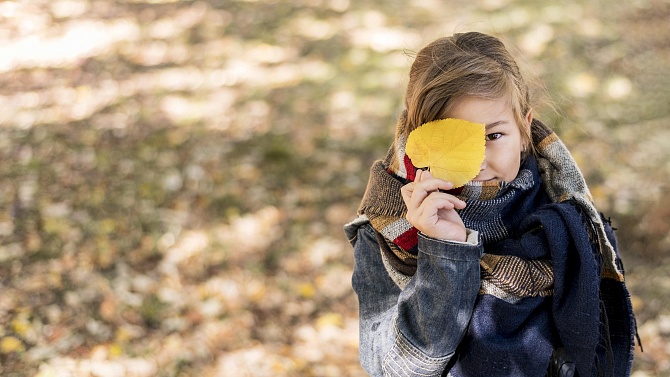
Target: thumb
[[426, 175]]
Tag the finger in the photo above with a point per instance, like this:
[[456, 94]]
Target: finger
[[427, 216], [438, 200], [426, 175], [417, 175], [406, 191], [458, 203], [435, 202], [422, 189]]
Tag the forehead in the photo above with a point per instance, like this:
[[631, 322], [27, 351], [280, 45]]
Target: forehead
[[481, 110]]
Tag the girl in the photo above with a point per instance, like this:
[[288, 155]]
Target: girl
[[513, 274]]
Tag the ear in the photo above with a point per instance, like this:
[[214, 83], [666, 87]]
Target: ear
[[529, 117]]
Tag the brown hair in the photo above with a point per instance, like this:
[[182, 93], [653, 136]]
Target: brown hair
[[465, 64]]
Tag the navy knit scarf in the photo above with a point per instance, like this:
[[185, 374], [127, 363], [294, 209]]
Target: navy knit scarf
[[517, 338]]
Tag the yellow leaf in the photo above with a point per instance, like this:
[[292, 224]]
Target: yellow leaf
[[115, 350], [20, 326], [452, 149], [330, 319], [11, 344], [46, 371], [123, 335], [306, 290]]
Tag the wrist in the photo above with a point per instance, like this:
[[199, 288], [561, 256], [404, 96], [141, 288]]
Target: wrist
[[452, 236]]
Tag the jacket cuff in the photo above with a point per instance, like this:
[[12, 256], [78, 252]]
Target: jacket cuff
[[471, 250]]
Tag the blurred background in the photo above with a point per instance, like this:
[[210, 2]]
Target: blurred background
[[175, 176]]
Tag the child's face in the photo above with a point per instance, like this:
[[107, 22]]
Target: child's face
[[503, 138]]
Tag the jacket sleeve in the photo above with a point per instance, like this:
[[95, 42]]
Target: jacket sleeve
[[414, 331]]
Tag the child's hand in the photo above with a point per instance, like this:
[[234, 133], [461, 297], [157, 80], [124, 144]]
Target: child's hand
[[433, 212]]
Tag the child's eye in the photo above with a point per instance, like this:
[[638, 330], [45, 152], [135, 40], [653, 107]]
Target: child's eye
[[493, 136]]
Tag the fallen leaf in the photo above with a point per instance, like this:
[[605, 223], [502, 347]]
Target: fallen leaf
[[11, 344], [20, 325], [306, 290], [330, 319], [452, 149]]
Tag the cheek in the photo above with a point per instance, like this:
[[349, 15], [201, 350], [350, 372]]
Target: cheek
[[512, 163]]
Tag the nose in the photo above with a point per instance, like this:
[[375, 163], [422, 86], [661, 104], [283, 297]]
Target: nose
[[483, 165]]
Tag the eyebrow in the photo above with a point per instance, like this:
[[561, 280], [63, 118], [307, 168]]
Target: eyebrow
[[491, 125]]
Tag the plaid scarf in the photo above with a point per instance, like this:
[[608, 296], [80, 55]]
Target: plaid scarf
[[383, 206]]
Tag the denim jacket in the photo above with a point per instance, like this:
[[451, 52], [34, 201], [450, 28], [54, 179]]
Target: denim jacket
[[413, 331]]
